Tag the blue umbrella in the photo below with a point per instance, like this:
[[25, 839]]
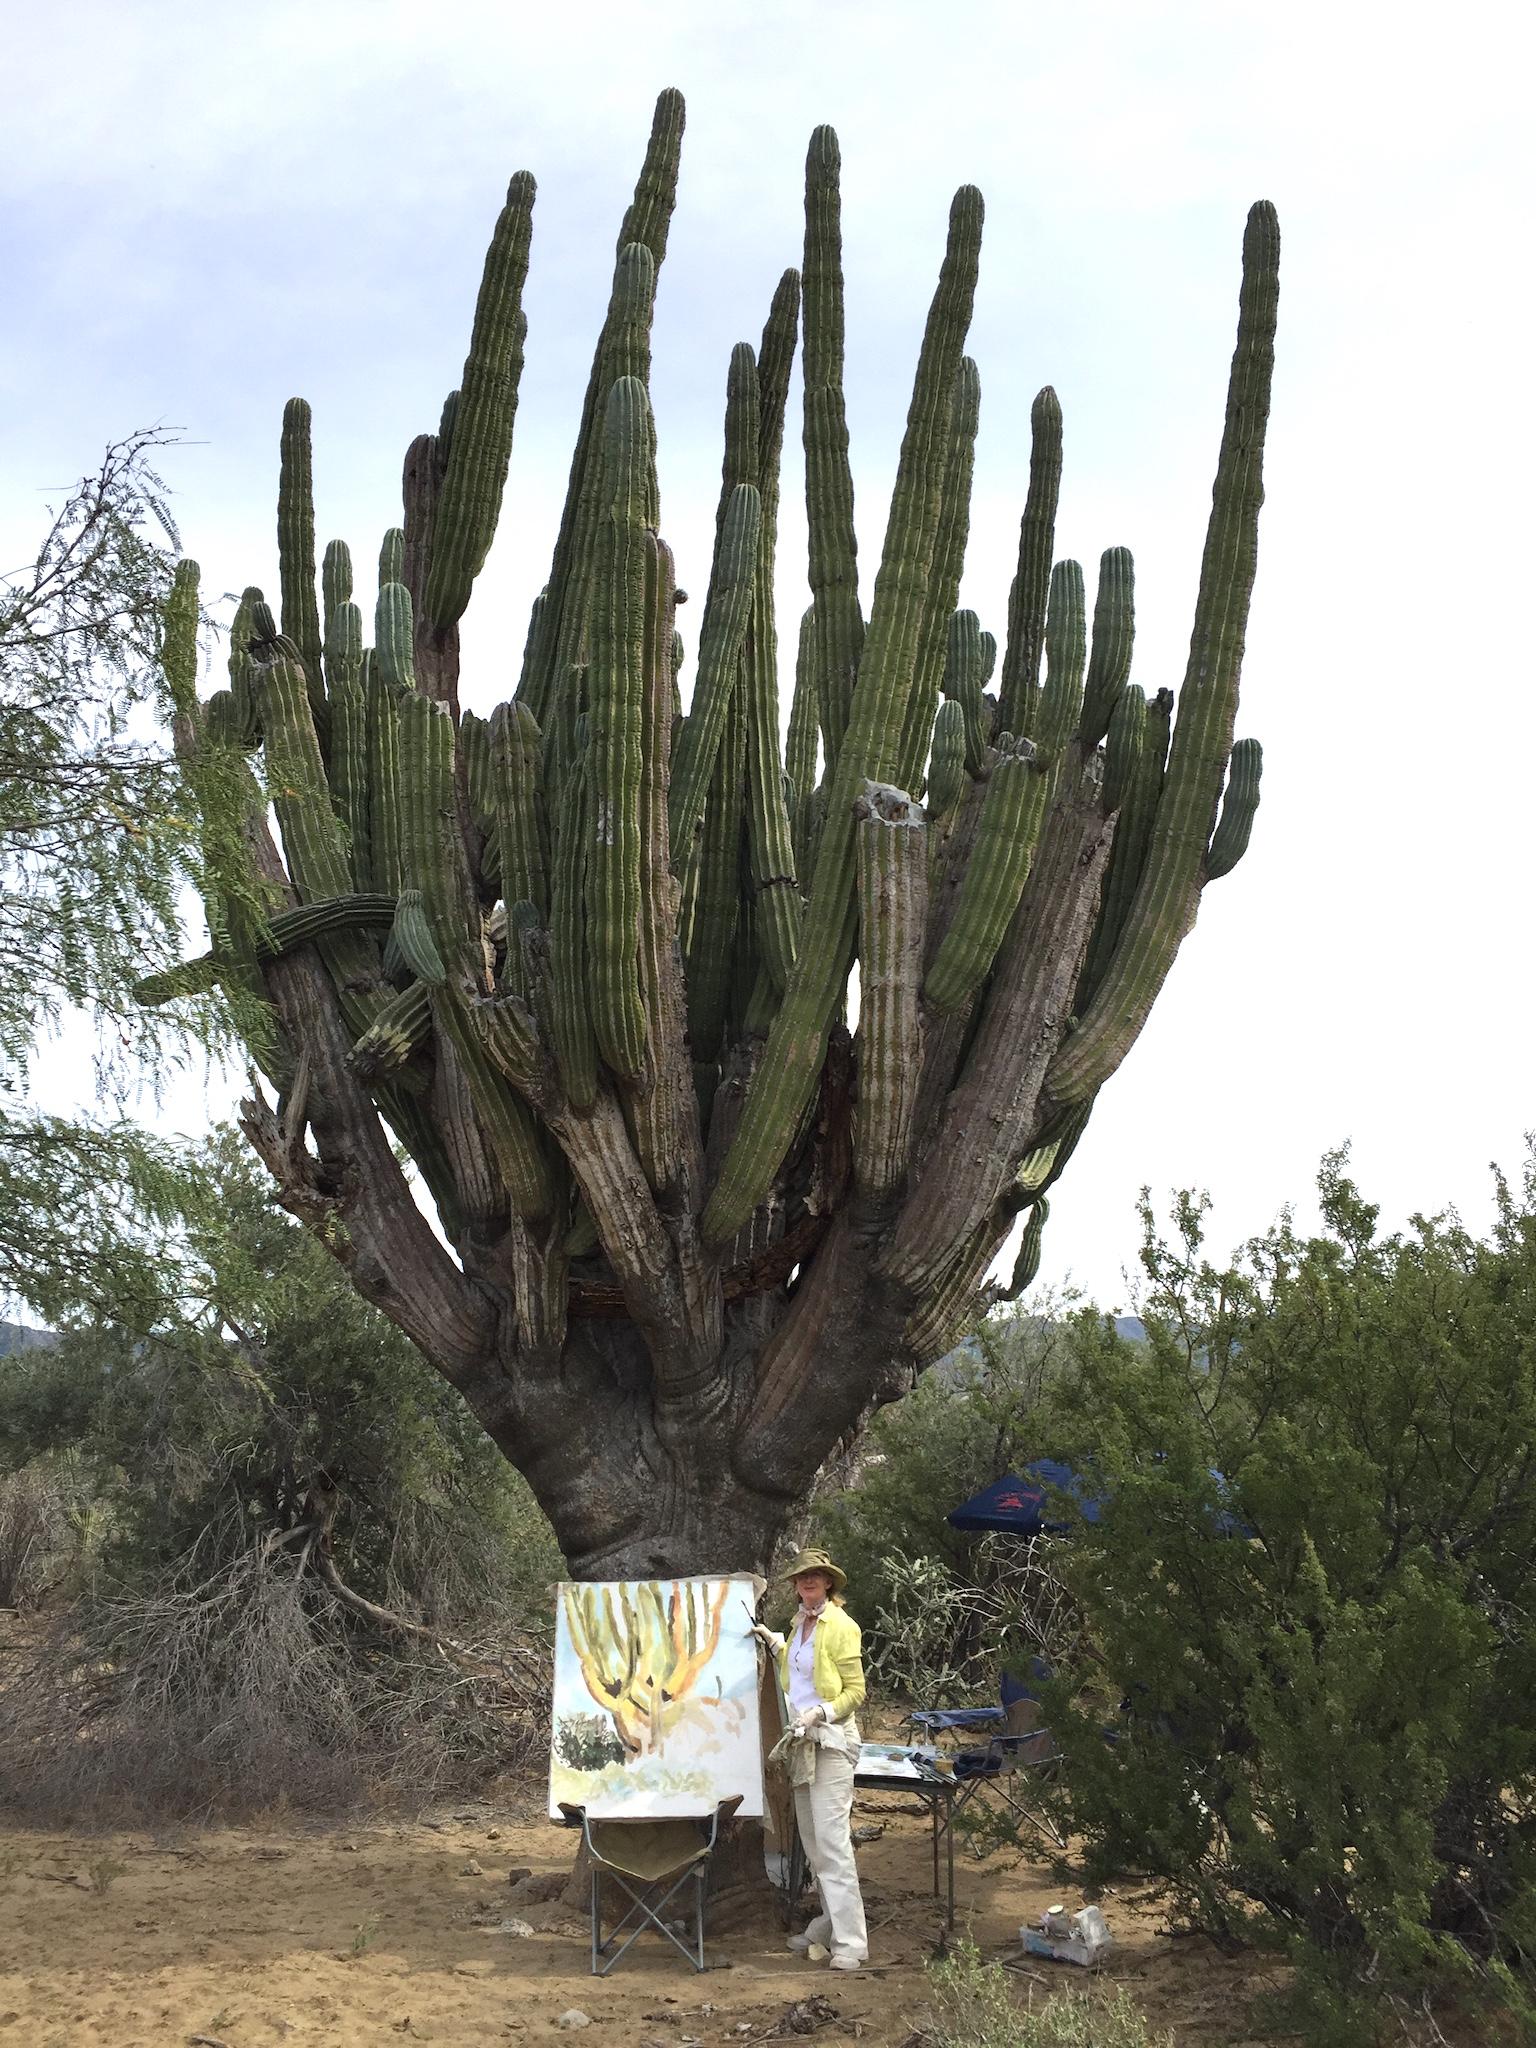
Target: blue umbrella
[[1018, 1502]]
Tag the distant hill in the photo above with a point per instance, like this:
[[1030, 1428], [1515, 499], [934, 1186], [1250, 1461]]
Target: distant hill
[[21, 1337]]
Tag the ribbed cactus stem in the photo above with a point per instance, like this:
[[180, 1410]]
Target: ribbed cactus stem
[[777, 904], [616, 686], [558, 639], [402, 1025], [1019, 688], [570, 1017], [994, 878], [800, 743], [1066, 650], [784, 1082], [946, 769], [1114, 633], [481, 423], [892, 856], [335, 582], [1133, 779], [514, 743], [382, 702], [296, 547], [946, 571], [1026, 1266], [834, 567], [720, 644], [962, 682], [1229, 842], [1169, 892], [394, 635], [713, 906], [392, 556]]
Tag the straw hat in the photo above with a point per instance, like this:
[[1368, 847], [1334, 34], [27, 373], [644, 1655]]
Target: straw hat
[[816, 1561]]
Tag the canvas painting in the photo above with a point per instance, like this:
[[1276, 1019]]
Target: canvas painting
[[656, 1703]]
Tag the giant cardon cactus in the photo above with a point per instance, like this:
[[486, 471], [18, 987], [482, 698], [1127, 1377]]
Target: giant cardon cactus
[[589, 959]]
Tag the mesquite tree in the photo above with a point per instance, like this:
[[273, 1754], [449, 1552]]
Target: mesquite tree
[[588, 960]]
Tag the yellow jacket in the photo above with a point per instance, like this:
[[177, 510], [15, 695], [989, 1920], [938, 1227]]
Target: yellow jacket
[[837, 1662]]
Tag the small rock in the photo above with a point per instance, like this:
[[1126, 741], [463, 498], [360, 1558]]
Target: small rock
[[574, 2017], [493, 1834], [517, 1927], [471, 1869], [518, 1872], [870, 1832], [816, 1953], [348, 1848]]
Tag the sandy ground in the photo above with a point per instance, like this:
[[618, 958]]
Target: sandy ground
[[388, 1932]]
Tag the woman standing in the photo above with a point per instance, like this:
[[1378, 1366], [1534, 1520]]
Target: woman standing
[[821, 1669]]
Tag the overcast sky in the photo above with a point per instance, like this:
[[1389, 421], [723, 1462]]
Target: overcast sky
[[207, 208]]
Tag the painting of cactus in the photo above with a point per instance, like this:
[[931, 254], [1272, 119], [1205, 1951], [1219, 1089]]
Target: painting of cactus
[[672, 1040], [673, 1673]]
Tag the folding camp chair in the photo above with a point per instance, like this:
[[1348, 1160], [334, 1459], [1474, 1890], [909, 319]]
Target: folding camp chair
[[1017, 1759], [651, 1861]]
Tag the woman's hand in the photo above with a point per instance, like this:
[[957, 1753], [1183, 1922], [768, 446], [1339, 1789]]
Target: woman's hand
[[813, 1717], [766, 1636]]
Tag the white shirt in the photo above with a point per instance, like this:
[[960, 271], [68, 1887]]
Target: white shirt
[[802, 1685]]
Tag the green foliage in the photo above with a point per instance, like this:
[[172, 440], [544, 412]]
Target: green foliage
[[1331, 1728], [971, 1417], [95, 840], [977, 2006], [281, 1380]]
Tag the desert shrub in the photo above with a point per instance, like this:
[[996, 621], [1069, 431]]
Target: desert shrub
[[942, 1633], [971, 1418], [1329, 1737], [977, 2005], [40, 1535], [220, 1695]]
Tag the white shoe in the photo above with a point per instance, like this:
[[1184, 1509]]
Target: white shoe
[[799, 1943], [845, 1963]]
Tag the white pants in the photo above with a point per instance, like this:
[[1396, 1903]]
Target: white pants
[[822, 1812]]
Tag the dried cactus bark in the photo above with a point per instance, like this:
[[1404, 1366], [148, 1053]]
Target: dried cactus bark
[[588, 957]]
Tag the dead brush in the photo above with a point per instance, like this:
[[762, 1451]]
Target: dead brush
[[225, 1694]]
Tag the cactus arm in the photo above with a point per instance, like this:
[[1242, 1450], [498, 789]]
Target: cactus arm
[[404, 1023], [616, 683], [383, 841], [948, 566], [349, 734], [946, 770], [726, 613], [296, 549], [714, 903], [570, 1020], [335, 582], [1135, 757], [1114, 632], [481, 445], [1027, 1264], [1168, 895], [990, 1113], [786, 1079], [838, 620], [993, 879], [1066, 647], [963, 683], [893, 911], [392, 556], [556, 641], [1019, 687], [513, 747], [1229, 842], [800, 743], [776, 900]]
